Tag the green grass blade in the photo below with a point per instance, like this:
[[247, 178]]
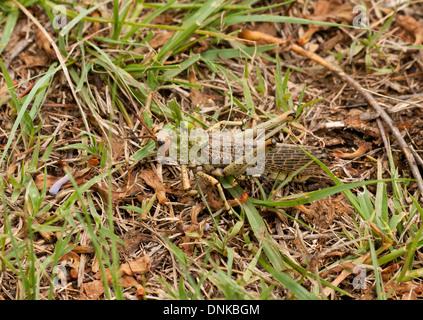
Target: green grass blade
[[378, 278], [260, 230], [189, 25], [10, 24], [22, 110], [317, 195], [79, 17], [242, 52], [406, 272], [170, 74], [288, 282], [234, 19]]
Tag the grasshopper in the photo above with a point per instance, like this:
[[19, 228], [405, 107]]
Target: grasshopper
[[238, 154]]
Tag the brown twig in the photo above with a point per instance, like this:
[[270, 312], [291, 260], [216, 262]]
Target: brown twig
[[58, 105], [23, 94], [147, 136], [141, 120], [373, 103], [383, 135]]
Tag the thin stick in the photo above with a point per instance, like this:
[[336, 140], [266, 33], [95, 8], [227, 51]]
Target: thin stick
[[419, 159], [23, 94], [139, 117], [382, 133], [143, 137], [373, 103]]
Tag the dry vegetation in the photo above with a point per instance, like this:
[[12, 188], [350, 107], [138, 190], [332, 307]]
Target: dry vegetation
[[77, 100]]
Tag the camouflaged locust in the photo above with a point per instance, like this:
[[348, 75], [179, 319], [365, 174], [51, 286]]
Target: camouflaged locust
[[251, 152]]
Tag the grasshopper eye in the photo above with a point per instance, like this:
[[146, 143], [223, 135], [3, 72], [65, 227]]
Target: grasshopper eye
[[162, 137]]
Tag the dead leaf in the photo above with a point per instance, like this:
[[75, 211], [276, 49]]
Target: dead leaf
[[4, 92], [332, 10], [160, 39], [213, 198], [140, 265], [332, 42], [117, 196], [178, 192], [34, 60], [79, 177], [73, 262], [118, 146], [362, 126], [412, 27], [95, 266], [42, 42], [150, 177], [409, 290], [268, 28], [188, 242], [134, 187], [132, 239], [95, 26], [202, 45], [71, 257], [323, 212], [128, 281], [125, 281], [93, 289], [327, 11], [362, 149], [128, 274], [388, 271], [50, 180], [11, 169]]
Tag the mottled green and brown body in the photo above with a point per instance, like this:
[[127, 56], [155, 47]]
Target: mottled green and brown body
[[279, 158], [288, 158], [250, 152]]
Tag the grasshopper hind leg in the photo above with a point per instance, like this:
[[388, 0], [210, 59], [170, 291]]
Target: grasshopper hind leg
[[185, 181], [207, 177]]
